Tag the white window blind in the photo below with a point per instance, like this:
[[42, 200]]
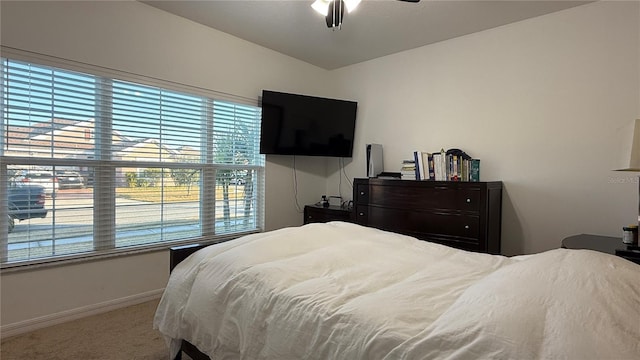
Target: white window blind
[[122, 165]]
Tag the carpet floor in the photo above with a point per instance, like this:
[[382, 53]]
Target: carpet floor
[[123, 334]]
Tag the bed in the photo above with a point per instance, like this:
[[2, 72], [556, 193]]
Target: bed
[[344, 291]]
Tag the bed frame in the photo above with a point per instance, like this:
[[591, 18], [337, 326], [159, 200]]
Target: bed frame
[[176, 255]]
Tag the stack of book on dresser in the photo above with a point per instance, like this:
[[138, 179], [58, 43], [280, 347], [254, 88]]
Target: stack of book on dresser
[[408, 170], [450, 165]]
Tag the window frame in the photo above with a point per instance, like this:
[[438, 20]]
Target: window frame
[[104, 194]]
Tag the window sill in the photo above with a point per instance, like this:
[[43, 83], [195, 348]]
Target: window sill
[[31, 265]]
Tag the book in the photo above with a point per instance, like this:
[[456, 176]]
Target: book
[[408, 170], [408, 166], [427, 169], [455, 175], [417, 158], [424, 165], [442, 174], [445, 165], [437, 166], [464, 171], [474, 170]]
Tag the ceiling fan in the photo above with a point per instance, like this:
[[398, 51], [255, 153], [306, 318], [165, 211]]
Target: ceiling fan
[[334, 10]]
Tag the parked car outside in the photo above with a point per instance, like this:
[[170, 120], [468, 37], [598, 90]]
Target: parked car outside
[[69, 180], [40, 177], [25, 202]]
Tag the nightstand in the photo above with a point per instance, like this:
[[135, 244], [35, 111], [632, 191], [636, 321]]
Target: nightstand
[[317, 213], [607, 244]]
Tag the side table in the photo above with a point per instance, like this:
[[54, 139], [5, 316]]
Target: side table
[[317, 213]]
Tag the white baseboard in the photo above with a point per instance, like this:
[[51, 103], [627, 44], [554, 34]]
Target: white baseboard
[[77, 313]]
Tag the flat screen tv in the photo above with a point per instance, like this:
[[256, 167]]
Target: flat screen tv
[[306, 125]]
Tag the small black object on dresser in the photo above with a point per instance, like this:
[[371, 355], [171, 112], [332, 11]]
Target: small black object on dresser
[[464, 215], [320, 213]]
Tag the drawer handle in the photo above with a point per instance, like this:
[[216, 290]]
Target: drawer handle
[[361, 192], [361, 214], [466, 227], [468, 200]]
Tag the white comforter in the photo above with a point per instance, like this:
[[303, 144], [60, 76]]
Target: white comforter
[[342, 291]]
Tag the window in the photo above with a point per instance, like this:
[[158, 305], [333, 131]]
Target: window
[[98, 164]]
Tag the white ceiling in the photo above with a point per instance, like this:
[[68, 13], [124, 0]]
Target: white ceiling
[[376, 28]]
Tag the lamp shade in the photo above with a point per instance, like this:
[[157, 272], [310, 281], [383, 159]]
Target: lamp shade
[[634, 160]]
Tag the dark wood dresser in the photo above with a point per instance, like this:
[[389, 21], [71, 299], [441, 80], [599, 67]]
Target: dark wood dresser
[[464, 215]]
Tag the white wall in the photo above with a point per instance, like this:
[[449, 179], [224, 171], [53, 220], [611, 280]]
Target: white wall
[[133, 37], [547, 104]]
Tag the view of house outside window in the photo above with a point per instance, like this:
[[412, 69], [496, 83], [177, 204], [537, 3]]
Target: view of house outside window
[[95, 164]]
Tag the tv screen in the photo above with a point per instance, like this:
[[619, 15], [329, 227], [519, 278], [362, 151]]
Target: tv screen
[[306, 125]]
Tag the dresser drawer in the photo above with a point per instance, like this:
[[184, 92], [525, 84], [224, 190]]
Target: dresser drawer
[[361, 194], [445, 197], [425, 224], [361, 214]]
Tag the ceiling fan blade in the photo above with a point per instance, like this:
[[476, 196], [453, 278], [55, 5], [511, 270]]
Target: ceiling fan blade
[[336, 14]]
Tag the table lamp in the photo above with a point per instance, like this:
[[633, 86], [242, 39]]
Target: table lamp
[[634, 159]]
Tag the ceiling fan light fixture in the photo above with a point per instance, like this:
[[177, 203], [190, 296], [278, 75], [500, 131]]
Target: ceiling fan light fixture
[[335, 10], [321, 6], [351, 4]]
